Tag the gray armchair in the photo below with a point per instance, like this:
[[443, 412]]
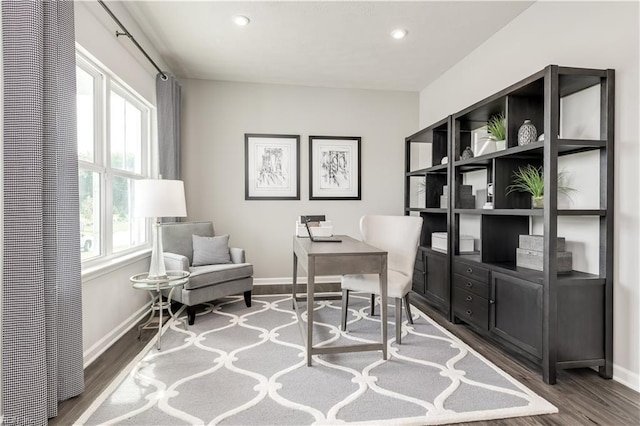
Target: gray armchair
[[206, 282]]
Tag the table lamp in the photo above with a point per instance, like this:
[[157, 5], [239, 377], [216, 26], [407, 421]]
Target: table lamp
[[158, 198]]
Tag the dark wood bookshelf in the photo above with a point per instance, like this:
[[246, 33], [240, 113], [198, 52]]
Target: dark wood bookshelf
[[557, 319]]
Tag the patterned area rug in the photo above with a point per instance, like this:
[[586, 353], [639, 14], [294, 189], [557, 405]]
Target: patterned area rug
[[246, 366]]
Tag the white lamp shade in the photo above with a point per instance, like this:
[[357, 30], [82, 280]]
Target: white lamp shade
[[159, 198]]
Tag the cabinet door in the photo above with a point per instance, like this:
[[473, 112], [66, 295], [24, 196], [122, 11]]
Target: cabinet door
[[417, 283], [516, 312], [436, 278]]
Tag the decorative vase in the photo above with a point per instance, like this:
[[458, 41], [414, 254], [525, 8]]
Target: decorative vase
[[466, 154], [537, 202], [501, 144], [527, 133]]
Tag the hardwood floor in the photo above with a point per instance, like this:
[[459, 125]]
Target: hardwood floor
[[581, 396]]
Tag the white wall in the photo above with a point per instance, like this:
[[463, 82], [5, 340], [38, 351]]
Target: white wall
[[578, 34], [95, 31], [110, 306], [216, 116]]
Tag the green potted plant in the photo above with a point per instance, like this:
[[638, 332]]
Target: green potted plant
[[530, 179], [497, 129]]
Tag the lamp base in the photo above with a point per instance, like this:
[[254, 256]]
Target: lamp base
[[156, 268]]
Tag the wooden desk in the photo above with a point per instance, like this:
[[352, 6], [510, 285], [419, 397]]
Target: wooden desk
[[348, 257]]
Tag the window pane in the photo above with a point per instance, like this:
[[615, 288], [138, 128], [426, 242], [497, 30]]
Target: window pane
[[117, 131], [126, 135], [89, 188], [85, 114], [128, 231]]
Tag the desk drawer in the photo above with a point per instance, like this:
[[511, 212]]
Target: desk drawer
[[471, 308], [472, 271], [473, 286]]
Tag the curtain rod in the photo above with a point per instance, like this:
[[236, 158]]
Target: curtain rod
[[128, 34]]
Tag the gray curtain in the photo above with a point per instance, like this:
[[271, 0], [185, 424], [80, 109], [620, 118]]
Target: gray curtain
[[41, 288], [169, 98]]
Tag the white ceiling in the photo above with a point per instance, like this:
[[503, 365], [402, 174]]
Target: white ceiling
[[321, 43]]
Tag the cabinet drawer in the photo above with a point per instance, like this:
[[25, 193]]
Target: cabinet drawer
[[471, 308], [472, 271], [471, 285]]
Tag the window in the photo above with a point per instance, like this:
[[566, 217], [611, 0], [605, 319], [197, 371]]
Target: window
[[113, 151]]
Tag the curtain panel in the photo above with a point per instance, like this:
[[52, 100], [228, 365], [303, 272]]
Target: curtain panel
[[169, 98], [41, 289]]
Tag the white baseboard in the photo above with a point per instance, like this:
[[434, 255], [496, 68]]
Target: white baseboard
[[113, 336], [301, 280], [626, 377]]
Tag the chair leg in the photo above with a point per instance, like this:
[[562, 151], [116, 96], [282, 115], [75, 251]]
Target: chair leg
[[247, 298], [407, 308], [191, 314], [398, 320], [373, 305], [345, 304]]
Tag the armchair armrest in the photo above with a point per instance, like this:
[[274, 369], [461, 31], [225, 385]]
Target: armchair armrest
[[237, 255], [176, 262]]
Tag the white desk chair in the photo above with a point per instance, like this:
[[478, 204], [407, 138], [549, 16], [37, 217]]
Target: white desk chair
[[399, 236]]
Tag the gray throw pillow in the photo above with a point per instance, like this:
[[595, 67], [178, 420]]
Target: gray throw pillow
[[210, 250]]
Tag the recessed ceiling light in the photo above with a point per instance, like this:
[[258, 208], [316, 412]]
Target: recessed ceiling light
[[241, 20], [399, 33]]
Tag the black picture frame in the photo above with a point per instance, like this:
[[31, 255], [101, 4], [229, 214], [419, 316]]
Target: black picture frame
[[335, 167], [271, 167]]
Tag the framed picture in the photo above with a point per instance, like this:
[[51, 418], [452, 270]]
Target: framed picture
[[271, 167], [334, 168]]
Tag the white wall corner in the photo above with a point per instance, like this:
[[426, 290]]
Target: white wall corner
[[626, 377]]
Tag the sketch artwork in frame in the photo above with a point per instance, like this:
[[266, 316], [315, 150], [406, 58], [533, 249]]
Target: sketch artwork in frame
[[271, 167], [334, 168]]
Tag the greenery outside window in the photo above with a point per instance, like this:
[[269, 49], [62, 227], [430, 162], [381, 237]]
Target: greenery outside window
[[113, 151]]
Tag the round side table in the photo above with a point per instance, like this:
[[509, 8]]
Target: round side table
[[155, 286]]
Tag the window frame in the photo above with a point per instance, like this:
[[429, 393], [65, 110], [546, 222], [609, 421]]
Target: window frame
[[106, 82]]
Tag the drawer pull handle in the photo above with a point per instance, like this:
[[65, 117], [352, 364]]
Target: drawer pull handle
[[469, 284], [492, 302], [469, 270], [469, 298], [469, 312]]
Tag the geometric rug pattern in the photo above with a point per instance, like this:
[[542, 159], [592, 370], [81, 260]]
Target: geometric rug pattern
[[247, 366]]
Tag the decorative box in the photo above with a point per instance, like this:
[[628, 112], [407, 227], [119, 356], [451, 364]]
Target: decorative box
[[536, 242], [439, 242], [533, 259]]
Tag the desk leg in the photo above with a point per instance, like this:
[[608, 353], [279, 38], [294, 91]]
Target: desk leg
[[295, 281], [383, 305], [311, 276]]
